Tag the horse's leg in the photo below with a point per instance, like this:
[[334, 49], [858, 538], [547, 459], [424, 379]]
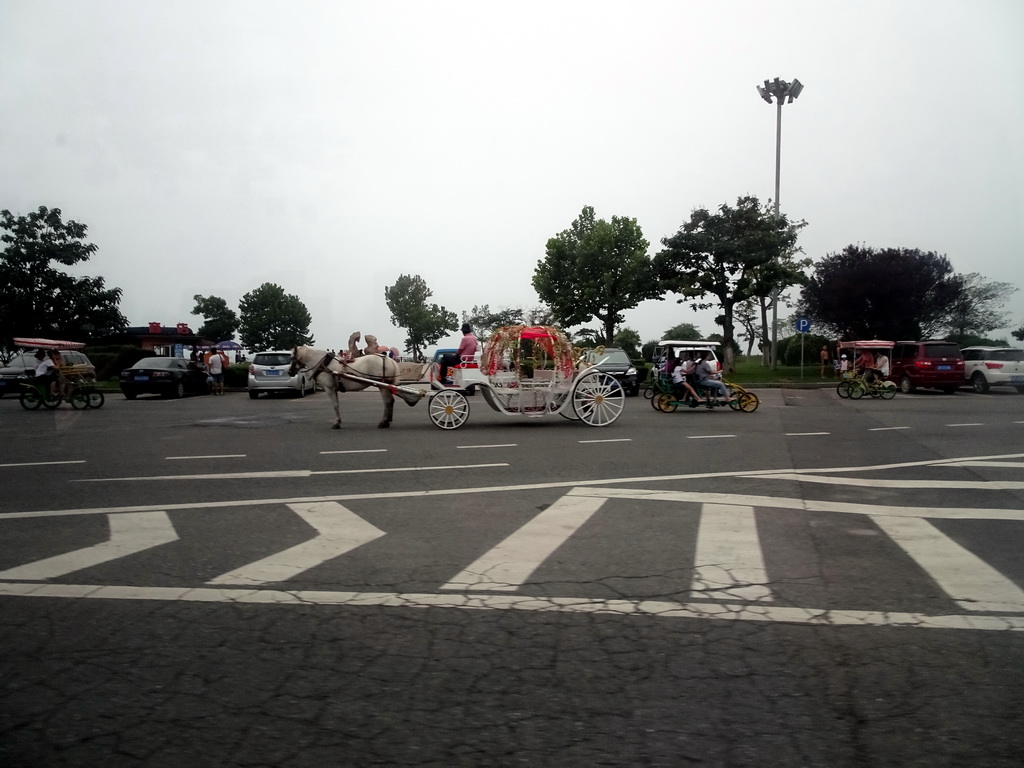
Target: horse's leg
[[389, 408], [330, 385]]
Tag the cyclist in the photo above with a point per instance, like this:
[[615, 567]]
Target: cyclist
[[707, 380], [46, 372]]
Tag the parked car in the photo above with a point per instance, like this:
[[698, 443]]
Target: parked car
[[986, 367], [268, 373], [936, 364], [23, 366], [166, 376], [617, 363]]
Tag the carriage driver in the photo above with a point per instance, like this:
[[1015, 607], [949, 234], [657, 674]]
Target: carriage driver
[[467, 348], [46, 372]]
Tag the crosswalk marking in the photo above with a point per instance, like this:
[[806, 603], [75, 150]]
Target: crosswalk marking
[[729, 564], [129, 533], [509, 564], [338, 531], [969, 580]]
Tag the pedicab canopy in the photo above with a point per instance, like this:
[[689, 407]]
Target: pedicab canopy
[[513, 344], [47, 343]]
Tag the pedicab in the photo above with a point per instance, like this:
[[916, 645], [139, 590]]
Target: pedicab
[[76, 383], [854, 384]]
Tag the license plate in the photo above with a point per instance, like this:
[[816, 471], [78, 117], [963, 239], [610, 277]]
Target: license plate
[[142, 378], [945, 367], [271, 373], [1017, 379]]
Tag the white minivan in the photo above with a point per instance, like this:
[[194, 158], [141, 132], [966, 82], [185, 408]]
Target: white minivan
[[673, 348]]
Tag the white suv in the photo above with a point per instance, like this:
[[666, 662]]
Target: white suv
[[986, 367], [671, 348]]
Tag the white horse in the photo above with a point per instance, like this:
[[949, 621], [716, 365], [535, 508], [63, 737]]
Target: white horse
[[323, 366]]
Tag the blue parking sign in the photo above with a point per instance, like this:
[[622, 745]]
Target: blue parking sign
[[803, 324]]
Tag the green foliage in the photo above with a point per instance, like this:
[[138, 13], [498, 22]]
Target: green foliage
[[221, 322], [789, 349], [628, 340], [272, 319], [36, 297], [484, 321], [975, 310], [1018, 334], [596, 269], [731, 255], [236, 375], [425, 324], [110, 361], [891, 293], [683, 332]]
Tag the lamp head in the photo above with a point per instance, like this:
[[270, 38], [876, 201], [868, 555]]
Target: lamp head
[[794, 90], [763, 93]]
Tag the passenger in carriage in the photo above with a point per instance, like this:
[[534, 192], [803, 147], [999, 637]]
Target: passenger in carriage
[[681, 377], [467, 348]]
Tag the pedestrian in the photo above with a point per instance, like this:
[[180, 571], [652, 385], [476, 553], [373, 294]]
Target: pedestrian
[[824, 360], [216, 363], [844, 365]]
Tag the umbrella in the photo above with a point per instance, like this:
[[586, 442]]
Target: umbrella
[[227, 345]]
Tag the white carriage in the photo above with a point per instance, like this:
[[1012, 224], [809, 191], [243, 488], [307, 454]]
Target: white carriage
[[527, 370]]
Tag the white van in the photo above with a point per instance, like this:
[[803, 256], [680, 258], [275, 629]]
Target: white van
[[673, 348]]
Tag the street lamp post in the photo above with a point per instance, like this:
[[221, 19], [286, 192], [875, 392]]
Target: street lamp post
[[781, 91]]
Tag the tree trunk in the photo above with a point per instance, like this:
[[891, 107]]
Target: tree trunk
[[728, 354], [766, 342]]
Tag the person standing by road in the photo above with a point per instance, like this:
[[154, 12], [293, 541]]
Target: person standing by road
[[216, 363], [824, 360]]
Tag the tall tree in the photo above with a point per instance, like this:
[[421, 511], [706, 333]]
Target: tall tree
[[732, 255], [683, 332], [273, 319], [629, 340], [39, 299], [220, 321], [596, 269], [425, 323], [890, 293], [976, 309]]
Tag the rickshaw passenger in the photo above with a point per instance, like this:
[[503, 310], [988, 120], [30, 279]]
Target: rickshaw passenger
[[706, 378], [865, 362], [46, 372], [681, 384]]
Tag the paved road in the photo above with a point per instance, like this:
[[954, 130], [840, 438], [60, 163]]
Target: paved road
[[217, 581]]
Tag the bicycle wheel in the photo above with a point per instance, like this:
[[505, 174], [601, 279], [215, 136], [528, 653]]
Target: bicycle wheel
[[30, 399], [748, 402], [649, 393], [856, 390], [888, 391], [79, 399], [843, 389], [665, 403]]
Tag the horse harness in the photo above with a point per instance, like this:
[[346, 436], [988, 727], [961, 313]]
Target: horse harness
[[322, 367]]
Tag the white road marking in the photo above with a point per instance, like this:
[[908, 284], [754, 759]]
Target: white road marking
[[496, 445], [129, 533], [364, 450], [338, 531], [1009, 464], [609, 440], [280, 473], [885, 429], [222, 456], [42, 463], [870, 482], [965, 513], [970, 581], [729, 564], [706, 437], [967, 424], [634, 609], [805, 434], [506, 566]]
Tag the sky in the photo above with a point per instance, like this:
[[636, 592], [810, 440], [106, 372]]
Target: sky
[[330, 147]]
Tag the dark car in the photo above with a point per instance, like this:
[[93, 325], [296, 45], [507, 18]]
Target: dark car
[[166, 376], [935, 364], [617, 363]]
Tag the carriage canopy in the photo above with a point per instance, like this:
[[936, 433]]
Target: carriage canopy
[[512, 345]]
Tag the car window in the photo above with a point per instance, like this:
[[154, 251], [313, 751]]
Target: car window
[[941, 350], [616, 356], [1009, 355], [159, 362], [280, 358]]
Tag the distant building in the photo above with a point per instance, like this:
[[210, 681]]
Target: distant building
[[159, 338]]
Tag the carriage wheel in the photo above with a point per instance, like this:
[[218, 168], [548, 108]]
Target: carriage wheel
[[748, 402], [598, 399], [448, 409], [665, 403]]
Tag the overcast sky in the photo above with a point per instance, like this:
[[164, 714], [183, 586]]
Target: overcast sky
[[330, 147]]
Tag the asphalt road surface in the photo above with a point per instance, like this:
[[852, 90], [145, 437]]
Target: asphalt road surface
[[217, 581]]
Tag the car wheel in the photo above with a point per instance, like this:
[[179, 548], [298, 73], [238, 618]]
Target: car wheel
[[906, 386], [979, 383], [179, 390], [253, 394], [633, 391]]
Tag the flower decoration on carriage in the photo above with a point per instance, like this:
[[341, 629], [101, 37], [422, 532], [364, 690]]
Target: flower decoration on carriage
[[512, 344]]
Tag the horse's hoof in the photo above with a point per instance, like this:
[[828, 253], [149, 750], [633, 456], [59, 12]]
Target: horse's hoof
[[335, 426], [384, 425]]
